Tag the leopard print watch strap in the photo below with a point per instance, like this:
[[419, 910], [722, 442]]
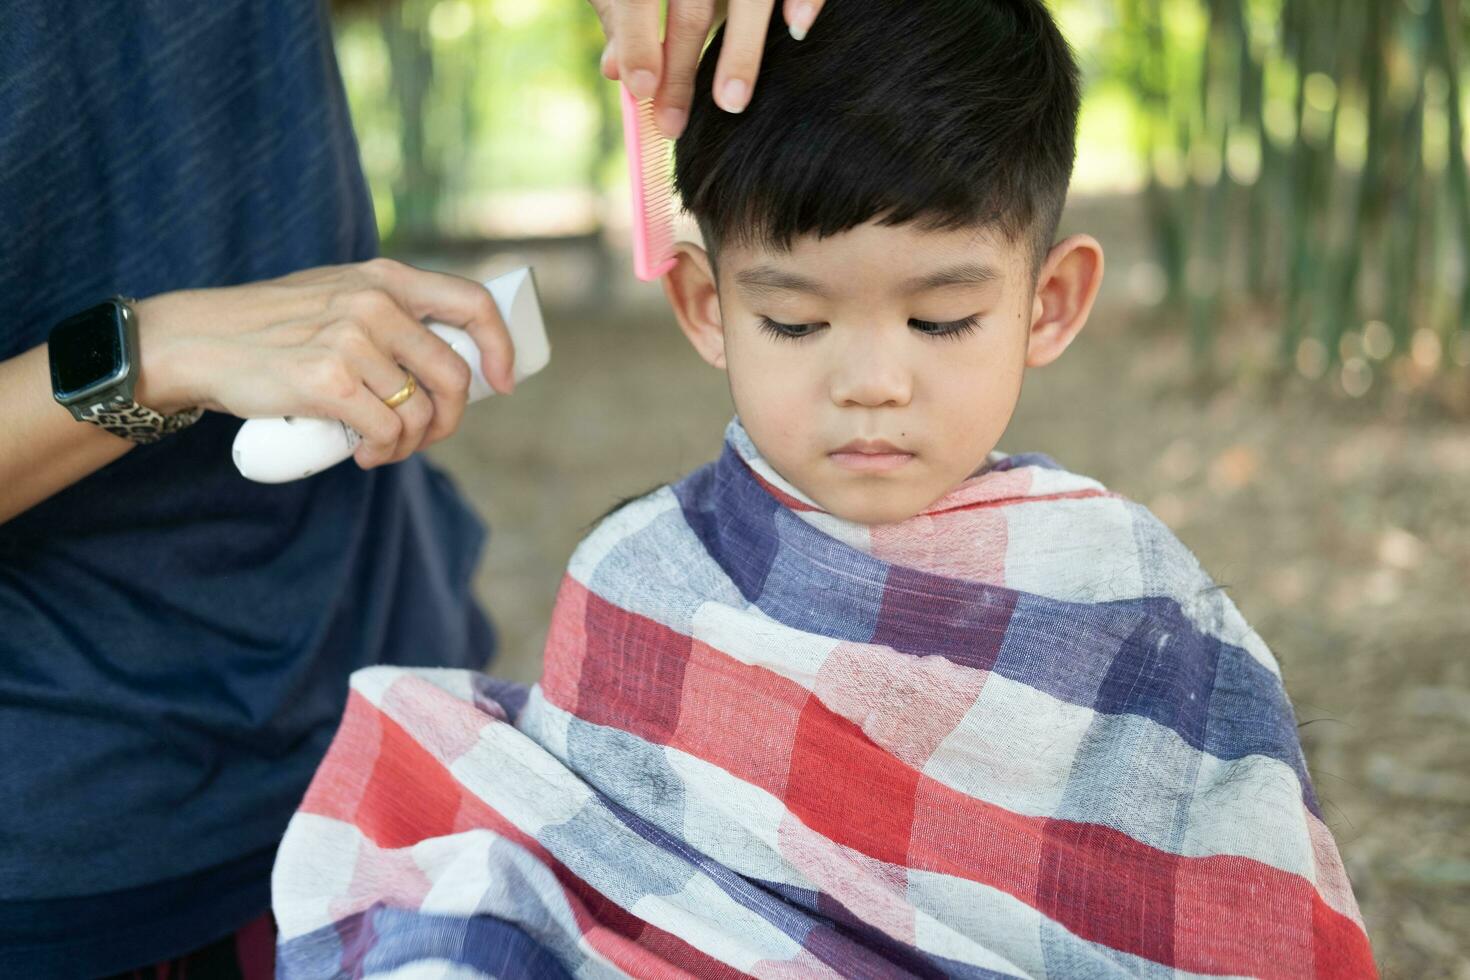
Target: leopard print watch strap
[[118, 413], [136, 423]]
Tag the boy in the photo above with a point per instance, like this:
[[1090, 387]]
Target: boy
[[864, 697]]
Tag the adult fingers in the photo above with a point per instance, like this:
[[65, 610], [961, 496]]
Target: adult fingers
[[441, 373], [639, 53], [458, 302], [380, 427], [386, 378], [443, 382], [740, 58], [605, 14], [416, 413], [609, 63], [330, 387], [603, 9], [799, 16], [688, 27], [382, 375], [377, 329]]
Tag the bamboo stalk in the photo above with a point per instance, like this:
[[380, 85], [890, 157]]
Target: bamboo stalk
[[1444, 14], [1407, 234], [1256, 255], [1325, 177], [1342, 296], [1295, 213], [1165, 214]]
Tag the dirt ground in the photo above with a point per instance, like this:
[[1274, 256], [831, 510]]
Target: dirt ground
[[1341, 529]]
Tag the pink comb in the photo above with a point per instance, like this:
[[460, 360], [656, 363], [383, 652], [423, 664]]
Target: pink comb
[[653, 198]]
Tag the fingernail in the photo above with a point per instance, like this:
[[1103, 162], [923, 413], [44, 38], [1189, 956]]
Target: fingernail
[[607, 61], [801, 20], [734, 95], [643, 84], [671, 121]]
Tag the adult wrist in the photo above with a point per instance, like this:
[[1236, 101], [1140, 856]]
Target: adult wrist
[[165, 381]]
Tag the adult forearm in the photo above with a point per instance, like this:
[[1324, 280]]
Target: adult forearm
[[331, 342], [43, 450]]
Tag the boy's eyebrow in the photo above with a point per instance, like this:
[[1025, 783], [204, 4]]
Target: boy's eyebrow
[[765, 278], [966, 274]]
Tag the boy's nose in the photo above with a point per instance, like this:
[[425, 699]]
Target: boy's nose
[[868, 376]]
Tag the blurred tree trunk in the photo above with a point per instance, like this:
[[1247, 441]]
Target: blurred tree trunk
[[1342, 294], [1449, 44], [417, 190], [1148, 77]]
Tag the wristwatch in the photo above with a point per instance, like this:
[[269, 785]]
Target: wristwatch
[[94, 369]]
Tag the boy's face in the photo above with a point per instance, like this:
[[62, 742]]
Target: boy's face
[[876, 369]]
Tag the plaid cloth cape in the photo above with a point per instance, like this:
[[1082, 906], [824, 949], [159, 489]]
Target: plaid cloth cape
[[1021, 734]]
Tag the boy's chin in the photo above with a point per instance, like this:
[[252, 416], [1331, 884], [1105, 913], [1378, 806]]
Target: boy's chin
[[874, 505]]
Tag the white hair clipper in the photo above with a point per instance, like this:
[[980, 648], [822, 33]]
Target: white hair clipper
[[284, 449]]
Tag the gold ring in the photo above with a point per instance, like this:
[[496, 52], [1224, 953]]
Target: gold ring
[[410, 385]]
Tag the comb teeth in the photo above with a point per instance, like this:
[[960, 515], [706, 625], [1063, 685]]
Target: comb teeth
[[649, 167]]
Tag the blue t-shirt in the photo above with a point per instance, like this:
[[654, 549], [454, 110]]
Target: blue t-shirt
[[175, 640]]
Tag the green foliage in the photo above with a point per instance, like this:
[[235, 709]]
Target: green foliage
[[457, 101], [1308, 157]]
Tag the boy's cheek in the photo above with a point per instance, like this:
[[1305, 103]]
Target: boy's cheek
[[769, 417], [767, 381]]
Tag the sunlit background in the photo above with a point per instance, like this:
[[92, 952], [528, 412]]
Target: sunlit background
[[1279, 365]]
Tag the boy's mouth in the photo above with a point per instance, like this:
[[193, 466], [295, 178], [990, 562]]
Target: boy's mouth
[[870, 456]]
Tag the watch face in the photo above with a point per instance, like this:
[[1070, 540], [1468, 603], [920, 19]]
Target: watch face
[[87, 351]]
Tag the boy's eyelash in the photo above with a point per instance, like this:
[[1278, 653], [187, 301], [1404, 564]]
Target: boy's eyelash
[[783, 331], [952, 330]]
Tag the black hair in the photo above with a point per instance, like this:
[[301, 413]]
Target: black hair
[[943, 113]]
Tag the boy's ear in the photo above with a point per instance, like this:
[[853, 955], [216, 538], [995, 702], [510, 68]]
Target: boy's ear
[[690, 287], [1065, 291]]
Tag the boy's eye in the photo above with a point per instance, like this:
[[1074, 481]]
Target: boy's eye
[[788, 331], [954, 329]]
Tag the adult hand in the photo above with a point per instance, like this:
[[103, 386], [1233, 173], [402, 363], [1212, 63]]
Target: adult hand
[[665, 72], [331, 342]]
